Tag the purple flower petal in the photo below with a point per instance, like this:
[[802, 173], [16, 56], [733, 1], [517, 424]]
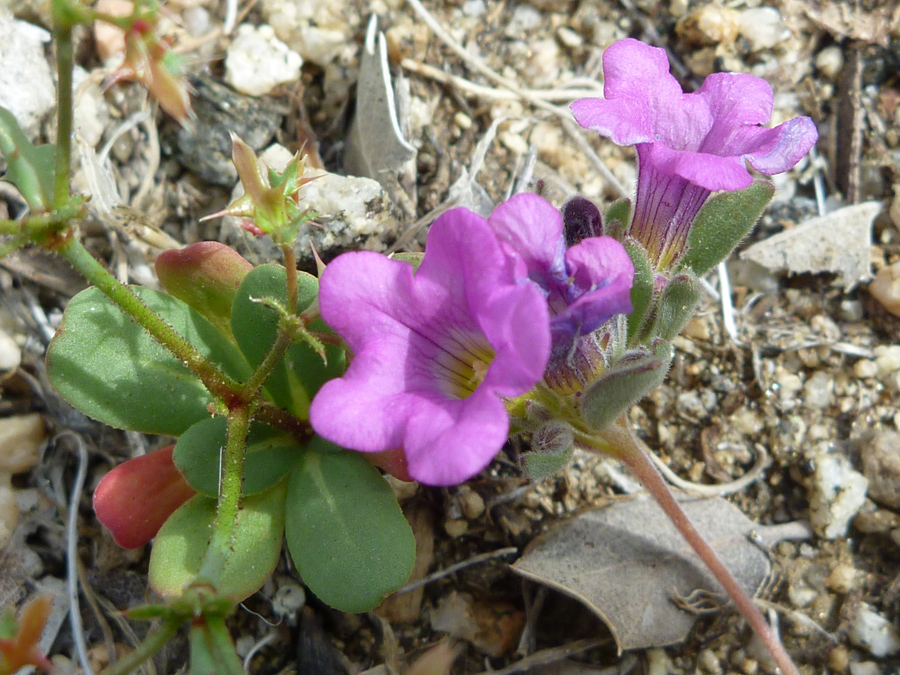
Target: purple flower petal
[[585, 285], [532, 229], [688, 144], [435, 353], [602, 275]]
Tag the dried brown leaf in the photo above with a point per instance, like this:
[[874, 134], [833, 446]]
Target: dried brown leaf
[[630, 566]]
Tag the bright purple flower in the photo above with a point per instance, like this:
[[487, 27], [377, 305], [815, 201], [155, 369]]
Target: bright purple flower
[[435, 353], [585, 285], [688, 144]]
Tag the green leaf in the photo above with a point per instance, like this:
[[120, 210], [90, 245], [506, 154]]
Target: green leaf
[[676, 306], [344, 529], [109, 368], [183, 540], [641, 289], [623, 385], [270, 455], [29, 167], [294, 382], [723, 221]]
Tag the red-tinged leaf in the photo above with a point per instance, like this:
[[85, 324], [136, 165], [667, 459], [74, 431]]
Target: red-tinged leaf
[[206, 277], [392, 462], [137, 497], [23, 648]]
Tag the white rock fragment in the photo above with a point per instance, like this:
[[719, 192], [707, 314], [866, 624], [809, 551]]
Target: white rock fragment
[[257, 61], [21, 438], [91, 110], [875, 633], [26, 83], [865, 368], [710, 25], [818, 390], [800, 595], [837, 493], [830, 61], [887, 359], [10, 354], [524, 19], [837, 242], [316, 30], [763, 28]]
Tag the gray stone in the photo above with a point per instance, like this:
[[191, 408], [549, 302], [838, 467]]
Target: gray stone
[[205, 146]]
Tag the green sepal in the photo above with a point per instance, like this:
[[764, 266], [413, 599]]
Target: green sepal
[[270, 456], [345, 531], [641, 289], [722, 222], [676, 306], [29, 167], [617, 218], [212, 649], [181, 545], [255, 327], [552, 447], [108, 367], [623, 385], [413, 258]]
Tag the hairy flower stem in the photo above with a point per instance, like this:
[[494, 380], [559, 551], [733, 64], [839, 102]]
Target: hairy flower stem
[[218, 383], [290, 269], [146, 649], [283, 338], [620, 443], [65, 61], [230, 490]]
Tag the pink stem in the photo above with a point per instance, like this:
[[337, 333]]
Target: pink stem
[[623, 446]]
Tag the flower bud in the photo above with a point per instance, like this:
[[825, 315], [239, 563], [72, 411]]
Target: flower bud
[[552, 449]]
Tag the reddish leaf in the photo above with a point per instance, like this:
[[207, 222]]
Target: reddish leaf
[[137, 497], [23, 648]]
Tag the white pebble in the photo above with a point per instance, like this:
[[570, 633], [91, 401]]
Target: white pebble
[[818, 390], [10, 354], [257, 61], [837, 493], [21, 438], [830, 61], [875, 633], [763, 28], [865, 368], [887, 359]]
